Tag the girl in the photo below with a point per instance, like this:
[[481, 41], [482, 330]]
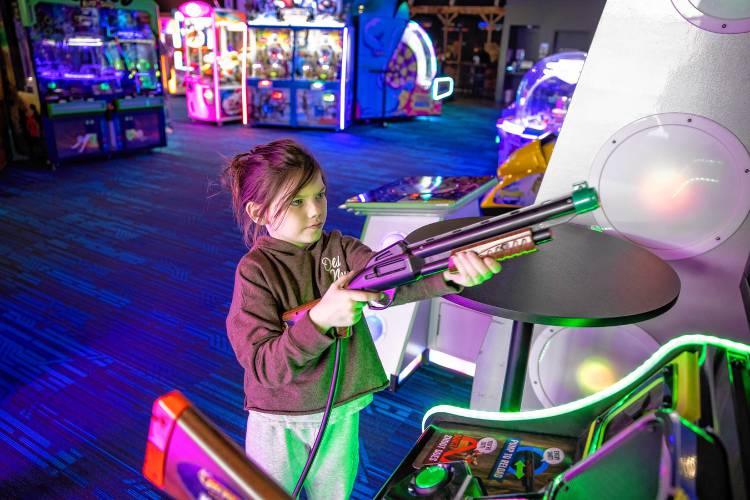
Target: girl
[[279, 200]]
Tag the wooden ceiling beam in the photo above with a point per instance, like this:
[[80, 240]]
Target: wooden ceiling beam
[[457, 9]]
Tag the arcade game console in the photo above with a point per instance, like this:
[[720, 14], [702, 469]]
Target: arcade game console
[[83, 80], [678, 426]]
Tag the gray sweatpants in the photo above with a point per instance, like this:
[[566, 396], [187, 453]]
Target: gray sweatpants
[[281, 449]]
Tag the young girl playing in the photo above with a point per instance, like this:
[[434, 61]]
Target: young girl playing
[[279, 200]]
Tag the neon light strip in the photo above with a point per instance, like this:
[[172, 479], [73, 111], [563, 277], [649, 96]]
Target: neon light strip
[[649, 365], [342, 90], [216, 48], [420, 44], [244, 76], [83, 41], [452, 363], [413, 364], [436, 94]]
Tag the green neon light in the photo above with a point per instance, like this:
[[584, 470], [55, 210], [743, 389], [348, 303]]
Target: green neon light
[[697, 430], [680, 343], [702, 357]]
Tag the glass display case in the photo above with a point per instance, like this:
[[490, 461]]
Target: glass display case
[[214, 42], [541, 102]]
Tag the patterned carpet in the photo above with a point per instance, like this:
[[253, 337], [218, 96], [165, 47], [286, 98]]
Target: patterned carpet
[[115, 279]]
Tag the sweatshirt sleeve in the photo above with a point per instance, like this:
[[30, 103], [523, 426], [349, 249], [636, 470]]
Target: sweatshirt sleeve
[[358, 255], [271, 355]]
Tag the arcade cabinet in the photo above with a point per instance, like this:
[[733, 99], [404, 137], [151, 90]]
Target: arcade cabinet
[[675, 427], [213, 44], [299, 65], [396, 65], [82, 81]]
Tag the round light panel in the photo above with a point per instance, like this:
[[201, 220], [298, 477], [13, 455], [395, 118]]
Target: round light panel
[[673, 183], [718, 16], [566, 364]]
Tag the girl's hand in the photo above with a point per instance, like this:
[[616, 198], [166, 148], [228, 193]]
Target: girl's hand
[[339, 306], [471, 269]]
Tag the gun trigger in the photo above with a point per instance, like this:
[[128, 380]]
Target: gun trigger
[[389, 294]]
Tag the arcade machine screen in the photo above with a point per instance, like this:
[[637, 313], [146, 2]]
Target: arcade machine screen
[[136, 45]]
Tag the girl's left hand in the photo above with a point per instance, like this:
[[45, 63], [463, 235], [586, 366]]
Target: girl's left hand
[[471, 269]]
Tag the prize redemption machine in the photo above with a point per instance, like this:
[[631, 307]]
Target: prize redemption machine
[[299, 66], [213, 41], [396, 66], [84, 81], [528, 129]]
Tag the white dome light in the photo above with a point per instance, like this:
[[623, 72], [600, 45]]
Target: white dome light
[[566, 364], [676, 184], [718, 16]]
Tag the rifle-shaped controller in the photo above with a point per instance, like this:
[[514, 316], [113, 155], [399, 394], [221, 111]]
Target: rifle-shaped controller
[[502, 237]]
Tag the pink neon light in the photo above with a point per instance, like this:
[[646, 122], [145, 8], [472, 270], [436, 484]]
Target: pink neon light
[[244, 76], [195, 8]]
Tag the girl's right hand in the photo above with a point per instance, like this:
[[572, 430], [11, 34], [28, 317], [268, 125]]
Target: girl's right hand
[[340, 307]]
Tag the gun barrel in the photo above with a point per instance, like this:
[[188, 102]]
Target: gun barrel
[[580, 201]]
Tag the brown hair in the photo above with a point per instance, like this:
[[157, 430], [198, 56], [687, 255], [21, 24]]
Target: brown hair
[[281, 166]]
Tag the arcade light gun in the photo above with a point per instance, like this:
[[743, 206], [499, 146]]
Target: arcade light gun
[[502, 237]]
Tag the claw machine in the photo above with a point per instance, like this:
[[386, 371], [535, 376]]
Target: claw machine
[[82, 81], [299, 66], [213, 42], [172, 57]]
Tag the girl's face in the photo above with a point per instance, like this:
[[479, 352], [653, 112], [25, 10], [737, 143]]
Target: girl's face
[[301, 222]]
